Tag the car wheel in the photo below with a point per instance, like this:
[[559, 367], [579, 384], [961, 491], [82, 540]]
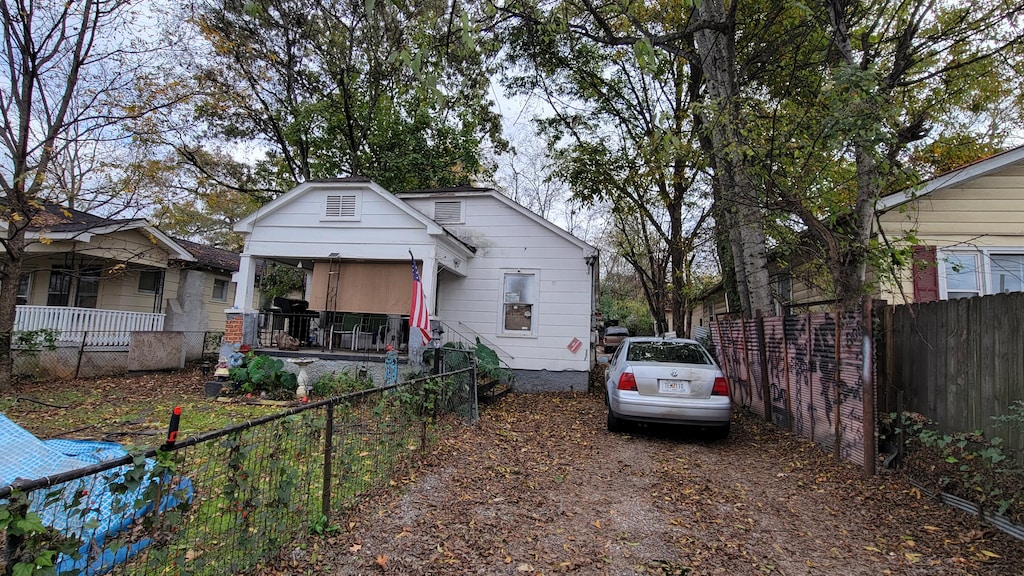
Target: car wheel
[[614, 423]]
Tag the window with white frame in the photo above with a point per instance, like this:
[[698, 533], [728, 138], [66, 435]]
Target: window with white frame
[[962, 272], [982, 272], [220, 290], [519, 303], [1007, 273]]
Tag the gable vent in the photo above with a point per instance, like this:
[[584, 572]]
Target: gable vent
[[341, 206], [448, 212]]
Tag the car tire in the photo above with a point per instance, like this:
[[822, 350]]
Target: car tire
[[614, 422]]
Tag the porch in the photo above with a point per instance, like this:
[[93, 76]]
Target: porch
[[97, 327]]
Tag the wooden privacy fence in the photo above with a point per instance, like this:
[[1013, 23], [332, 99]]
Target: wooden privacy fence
[[959, 362], [810, 374]]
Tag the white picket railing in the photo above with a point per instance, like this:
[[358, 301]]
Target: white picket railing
[[98, 327]]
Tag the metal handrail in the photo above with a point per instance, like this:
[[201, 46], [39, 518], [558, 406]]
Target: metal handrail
[[478, 335]]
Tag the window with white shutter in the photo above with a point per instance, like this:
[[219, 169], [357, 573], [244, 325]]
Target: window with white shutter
[[448, 212]]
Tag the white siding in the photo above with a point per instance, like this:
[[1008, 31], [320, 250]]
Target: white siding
[[508, 240], [300, 229]]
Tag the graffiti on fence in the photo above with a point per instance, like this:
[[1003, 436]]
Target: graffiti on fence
[[813, 366]]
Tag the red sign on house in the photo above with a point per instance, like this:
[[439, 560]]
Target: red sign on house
[[575, 345]]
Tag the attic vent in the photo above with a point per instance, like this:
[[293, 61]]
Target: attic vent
[[448, 212], [344, 206]]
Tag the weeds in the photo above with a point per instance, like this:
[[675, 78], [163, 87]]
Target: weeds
[[966, 465]]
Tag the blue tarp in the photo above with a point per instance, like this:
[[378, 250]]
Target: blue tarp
[[94, 509]]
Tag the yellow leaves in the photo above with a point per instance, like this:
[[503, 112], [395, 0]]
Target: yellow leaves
[[382, 560], [912, 557], [986, 556], [873, 549], [597, 524]]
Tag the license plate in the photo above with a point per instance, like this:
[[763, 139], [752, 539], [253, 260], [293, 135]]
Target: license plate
[[674, 386]]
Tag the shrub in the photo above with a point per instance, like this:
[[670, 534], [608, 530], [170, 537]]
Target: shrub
[[265, 375], [966, 465]]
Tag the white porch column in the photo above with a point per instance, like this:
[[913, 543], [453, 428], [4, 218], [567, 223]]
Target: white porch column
[[245, 282]]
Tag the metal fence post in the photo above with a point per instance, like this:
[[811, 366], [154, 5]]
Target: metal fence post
[[474, 400], [328, 450], [81, 353], [762, 357]]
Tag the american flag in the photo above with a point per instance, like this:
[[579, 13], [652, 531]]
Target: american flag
[[419, 318]]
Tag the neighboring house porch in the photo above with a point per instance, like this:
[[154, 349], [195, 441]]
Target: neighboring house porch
[[85, 274]]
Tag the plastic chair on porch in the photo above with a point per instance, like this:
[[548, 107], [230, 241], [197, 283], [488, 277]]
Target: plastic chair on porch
[[362, 336]]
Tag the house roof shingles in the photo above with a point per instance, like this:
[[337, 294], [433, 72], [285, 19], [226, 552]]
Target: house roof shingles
[[211, 257]]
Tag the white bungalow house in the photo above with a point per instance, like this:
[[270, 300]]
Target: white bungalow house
[[110, 277], [491, 269]]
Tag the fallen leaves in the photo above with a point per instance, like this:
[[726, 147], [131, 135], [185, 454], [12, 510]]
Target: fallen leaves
[[529, 491]]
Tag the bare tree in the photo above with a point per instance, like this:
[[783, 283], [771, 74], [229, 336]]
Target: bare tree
[[71, 71]]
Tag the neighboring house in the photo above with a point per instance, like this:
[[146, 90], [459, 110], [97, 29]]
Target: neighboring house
[[490, 269], [83, 272], [207, 279], [970, 227]]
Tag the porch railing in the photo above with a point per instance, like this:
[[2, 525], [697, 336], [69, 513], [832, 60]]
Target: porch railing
[[100, 327]]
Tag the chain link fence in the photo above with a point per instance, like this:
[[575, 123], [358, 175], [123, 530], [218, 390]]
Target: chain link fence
[[227, 501], [51, 354]]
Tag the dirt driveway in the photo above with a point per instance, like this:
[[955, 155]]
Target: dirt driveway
[[539, 487]]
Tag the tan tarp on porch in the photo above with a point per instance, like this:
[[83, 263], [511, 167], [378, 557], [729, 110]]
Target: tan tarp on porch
[[368, 287]]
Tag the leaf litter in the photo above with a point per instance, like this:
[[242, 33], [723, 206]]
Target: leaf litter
[[540, 487]]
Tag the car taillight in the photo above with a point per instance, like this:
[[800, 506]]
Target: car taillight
[[721, 387], [627, 381]]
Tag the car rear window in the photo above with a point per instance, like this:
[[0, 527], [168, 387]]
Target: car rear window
[[617, 332], [675, 352]]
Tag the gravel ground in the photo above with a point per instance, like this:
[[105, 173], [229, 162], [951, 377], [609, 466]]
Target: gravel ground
[[540, 487]]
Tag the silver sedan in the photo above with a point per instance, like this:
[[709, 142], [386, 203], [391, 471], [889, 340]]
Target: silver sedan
[[667, 381]]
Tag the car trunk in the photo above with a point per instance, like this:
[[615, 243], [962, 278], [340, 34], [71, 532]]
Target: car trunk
[[678, 381]]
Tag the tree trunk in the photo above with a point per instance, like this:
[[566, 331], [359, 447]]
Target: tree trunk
[[851, 270], [10, 273], [742, 206]]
